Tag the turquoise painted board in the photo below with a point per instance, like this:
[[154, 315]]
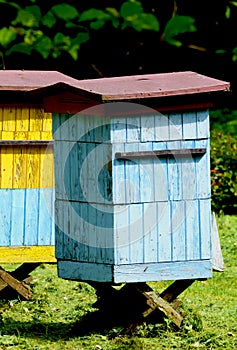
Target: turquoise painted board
[[26, 217]]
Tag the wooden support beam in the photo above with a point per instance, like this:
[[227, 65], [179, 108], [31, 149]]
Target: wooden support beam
[[156, 302], [175, 289], [7, 280]]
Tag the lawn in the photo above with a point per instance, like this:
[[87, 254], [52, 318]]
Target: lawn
[[56, 316]]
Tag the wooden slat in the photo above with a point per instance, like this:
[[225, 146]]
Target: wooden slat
[[16, 143], [176, 153]]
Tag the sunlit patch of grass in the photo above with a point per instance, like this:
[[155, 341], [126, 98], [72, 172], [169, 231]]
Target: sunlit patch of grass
[[51, 320]]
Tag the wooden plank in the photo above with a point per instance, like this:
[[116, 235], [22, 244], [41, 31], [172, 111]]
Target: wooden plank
[[118, 182], [17, 234], [205, 229], [148, 128], [178, 232], [146, 174], [161, 127], [175, 127], [160, 174], [17, 143], [22, 288], [193, 251], [6, 216], [150, 228], [82, 271], [203, 129], [27, 254], [132, 176], [46, 217], [31, 217], [175, 289], [217, 257], [154, 301], [174, 173], [203, 171], [174, 153], [189, 125], [162, 271], [164, 231], [122, 235], [7, 178], [188, 171], [136, 212]]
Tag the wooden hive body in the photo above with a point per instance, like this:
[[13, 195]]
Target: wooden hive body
[[124, 214]]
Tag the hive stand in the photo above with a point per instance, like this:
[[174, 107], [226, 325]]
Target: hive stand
[[132, 186], [137, 301]]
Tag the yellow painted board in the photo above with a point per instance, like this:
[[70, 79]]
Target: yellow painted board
[[19, 168], [6, 168], [46, 168], [30, 254], [9, 119], [22, 119], [33, 167], [46, 135], [36, 119], [8, 135], [47, 122]]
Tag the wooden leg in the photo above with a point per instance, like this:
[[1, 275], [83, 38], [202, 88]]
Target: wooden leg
[[17, 280], [156, 302], [175, 289]]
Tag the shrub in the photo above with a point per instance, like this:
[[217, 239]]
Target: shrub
[[223, 172]]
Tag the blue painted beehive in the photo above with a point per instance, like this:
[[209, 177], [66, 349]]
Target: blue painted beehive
[[132, 177]]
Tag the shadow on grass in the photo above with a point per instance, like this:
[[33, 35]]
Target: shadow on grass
[[98, 321]]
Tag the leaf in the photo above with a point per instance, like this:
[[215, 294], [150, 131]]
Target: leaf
[[28, 17], [49, 19], [97, 18], [114, 16], [73, 51], [145, 21], [65, 11], [227, 12], [178, 25], [44, 46], [81, 38], [7, 35], [93, 14], [130, 8], [13, 4], [133, 15], [21, 47], [97, 24]]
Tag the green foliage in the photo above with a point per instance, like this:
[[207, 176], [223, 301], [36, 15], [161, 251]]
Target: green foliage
[[34, 30], [178, 25], [224, 171]]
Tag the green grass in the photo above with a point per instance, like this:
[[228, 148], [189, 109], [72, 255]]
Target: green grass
[[53, 319]]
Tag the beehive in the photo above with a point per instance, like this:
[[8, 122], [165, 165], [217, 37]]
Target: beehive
[[132, 158], [26, 168]]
